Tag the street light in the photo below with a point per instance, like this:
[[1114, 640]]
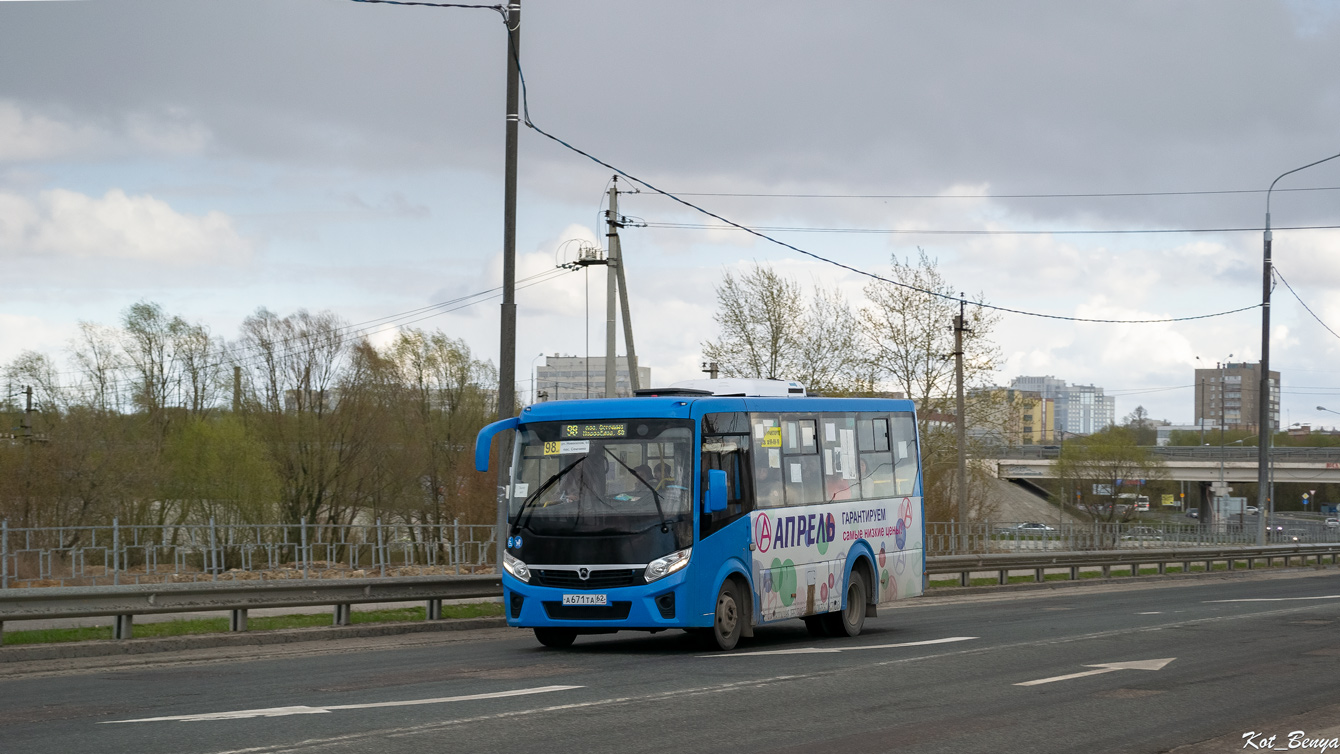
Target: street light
[[534, 379], [1263, 456]]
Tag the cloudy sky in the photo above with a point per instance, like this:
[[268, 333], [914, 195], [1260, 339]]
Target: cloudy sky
[[217, 156]]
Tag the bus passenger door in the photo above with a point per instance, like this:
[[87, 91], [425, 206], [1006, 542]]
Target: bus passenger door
[[724, 535]]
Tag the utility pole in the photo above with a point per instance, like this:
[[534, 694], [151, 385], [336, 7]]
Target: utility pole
[[961, 424], [507, 346], [26, 423], [611, 290], [711, 368], [616, 255]]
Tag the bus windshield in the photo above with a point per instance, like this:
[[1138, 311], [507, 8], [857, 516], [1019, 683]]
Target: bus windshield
[[604, 477]]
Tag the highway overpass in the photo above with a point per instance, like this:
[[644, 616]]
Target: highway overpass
[[1189, 464]]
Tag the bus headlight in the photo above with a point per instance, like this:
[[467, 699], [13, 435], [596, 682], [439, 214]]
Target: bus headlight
[[515, 567], [662, 567]]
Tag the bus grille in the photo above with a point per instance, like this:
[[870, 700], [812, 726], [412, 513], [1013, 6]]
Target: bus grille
[[612, 611], [606, 579]]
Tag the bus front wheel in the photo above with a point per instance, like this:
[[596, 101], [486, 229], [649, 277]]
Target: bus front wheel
[[729, 620], [851, 619], [557, 638]]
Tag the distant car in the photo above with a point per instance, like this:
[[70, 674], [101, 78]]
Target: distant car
[[1193, 513], [1146, 533], [1253, 510], [1333, 523], [1031, 527]]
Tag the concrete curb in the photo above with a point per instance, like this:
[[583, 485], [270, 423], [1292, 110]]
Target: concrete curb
[[70, 650]]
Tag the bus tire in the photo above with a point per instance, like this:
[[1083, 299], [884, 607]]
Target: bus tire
[[850, 620], [729, 619], [555, 638]]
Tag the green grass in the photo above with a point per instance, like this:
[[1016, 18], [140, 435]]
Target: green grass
[[266, 623]]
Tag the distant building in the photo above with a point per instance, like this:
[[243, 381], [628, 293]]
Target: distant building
[[1026, 418], [566, 378], [1077, 409], [1228, 396]]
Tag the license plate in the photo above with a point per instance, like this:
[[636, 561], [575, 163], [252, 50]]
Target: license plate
[[585, 599]]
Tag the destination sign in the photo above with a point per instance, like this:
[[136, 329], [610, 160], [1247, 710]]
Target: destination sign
[[593, 431]]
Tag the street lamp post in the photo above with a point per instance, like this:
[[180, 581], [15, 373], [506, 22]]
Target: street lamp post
[[1263, 457]]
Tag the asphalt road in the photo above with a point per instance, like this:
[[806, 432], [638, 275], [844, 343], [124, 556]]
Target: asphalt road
[[943, 674]]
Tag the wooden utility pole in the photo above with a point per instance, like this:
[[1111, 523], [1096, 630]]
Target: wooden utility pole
[[961, 423]]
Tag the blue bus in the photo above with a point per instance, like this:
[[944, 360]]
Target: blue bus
[[713, 506]]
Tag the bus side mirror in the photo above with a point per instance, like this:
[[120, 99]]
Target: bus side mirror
[[716, 491]]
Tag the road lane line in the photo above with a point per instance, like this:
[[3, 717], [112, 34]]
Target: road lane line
[[835, 650], [1279, 599], [326, 709]]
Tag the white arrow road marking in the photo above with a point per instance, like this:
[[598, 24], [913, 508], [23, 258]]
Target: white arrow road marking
[[1280, 599], [1106, 667], [835, 650], [285, 711]]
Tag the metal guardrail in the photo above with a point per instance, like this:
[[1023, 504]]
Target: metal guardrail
[[125, 602], [1004, 563]]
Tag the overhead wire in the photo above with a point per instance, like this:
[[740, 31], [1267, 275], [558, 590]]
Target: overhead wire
[[1079, 195], [1276, 270], [530, 123], [974, 231]]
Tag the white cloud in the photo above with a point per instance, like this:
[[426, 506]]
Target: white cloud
[[68, 224], [29, 135]]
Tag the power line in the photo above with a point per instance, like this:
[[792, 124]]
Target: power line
[[970, 232], [525, 114], [1275, 269], [1086, 195]]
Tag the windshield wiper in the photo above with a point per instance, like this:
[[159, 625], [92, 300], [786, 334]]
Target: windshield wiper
[[655, 496], [516, 523]]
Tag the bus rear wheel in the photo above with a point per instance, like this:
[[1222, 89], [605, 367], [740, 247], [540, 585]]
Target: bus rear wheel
[[850, 620], [556, 638], [729, 620]]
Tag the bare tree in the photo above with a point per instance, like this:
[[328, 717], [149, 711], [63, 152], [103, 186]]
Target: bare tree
[[769, 330], [908, 330]]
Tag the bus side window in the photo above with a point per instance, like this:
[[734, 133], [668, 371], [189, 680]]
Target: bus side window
[[842, 472], [877, 467], [903, 439], [802, 475], [767, 438]]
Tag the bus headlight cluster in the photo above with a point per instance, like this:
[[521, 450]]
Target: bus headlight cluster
[[515, 567], [662, 567]]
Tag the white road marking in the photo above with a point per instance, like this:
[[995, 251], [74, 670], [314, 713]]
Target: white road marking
[[1280, 599], [300, 710], [1107, 667], [835, 650], [1152, 612]]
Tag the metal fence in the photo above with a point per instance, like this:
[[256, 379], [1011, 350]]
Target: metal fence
[[124, 554], [136, 554], [991, 537]]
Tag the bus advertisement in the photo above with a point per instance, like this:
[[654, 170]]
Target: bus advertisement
[[685, 508]]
